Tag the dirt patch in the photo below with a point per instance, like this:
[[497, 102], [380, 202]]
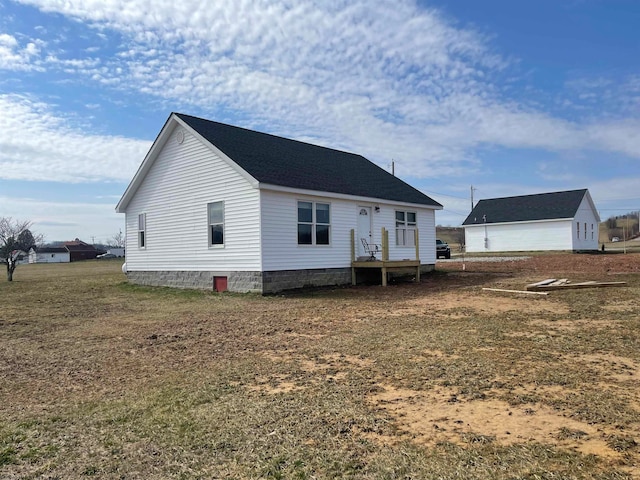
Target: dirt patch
[[483, 303], [556, 263], [442, 415]]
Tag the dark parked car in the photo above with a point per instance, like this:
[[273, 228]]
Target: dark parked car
[[442, 249], [105, 256]]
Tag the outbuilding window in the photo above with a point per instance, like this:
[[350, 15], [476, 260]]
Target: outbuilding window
[[215, 212], [314, 223]]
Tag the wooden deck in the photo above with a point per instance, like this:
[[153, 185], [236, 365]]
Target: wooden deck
[[384, 264]]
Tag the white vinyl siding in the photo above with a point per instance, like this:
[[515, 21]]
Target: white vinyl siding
[[46, 257], [588, 238], [174, 194], [280, 232], [524, 236], [426, 226]]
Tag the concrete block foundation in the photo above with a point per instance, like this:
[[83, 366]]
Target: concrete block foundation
[[243, 282]]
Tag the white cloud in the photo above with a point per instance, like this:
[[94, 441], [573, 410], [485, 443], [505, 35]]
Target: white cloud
[[386, 79], [14, 56], [37, 145]]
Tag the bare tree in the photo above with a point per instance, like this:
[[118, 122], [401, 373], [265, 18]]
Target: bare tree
[[14, 237], [117, 240]]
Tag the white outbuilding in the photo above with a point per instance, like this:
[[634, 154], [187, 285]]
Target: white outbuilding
[[49, 255], [565, 220]]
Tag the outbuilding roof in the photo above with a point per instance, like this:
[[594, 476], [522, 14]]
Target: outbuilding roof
[[526, 208], [50, 250], [278, 161], [78, 245]]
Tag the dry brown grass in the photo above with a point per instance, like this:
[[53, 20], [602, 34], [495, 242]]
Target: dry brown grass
[[436, 380]]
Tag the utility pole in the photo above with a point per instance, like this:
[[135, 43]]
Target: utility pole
[[472, 189]]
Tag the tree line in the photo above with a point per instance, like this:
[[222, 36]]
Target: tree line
[[624, 226]]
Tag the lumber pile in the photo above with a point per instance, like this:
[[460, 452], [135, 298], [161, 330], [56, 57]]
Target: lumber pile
[[564, 284], [543, 286]]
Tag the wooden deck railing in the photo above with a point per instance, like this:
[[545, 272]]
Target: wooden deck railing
[[384, 264]]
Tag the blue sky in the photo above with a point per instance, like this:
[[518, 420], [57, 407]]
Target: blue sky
[[511, 97]]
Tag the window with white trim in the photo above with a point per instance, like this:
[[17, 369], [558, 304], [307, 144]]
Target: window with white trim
[[405, 228], [142, 230], [314, 223], [215, 213]]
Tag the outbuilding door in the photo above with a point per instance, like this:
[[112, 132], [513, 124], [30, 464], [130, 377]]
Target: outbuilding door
[[364, 229]]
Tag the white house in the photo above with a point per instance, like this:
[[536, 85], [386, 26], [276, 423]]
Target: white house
[[548, 221], [49, 255], [218, 206]]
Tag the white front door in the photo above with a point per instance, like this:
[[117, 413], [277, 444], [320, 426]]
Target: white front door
[[364, 230]]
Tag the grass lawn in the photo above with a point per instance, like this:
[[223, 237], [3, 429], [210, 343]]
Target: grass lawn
[[437, 380]]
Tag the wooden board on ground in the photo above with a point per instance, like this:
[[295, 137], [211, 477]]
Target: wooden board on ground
[[514, 291], [590, 284], [542, 282]]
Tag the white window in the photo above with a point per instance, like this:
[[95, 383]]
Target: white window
[[216, 223], [142, 229], [405, 228], [314, 223]]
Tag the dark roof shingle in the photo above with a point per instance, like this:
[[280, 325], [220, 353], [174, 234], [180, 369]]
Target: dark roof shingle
[[290, 163], [542, 206], [51, 250]]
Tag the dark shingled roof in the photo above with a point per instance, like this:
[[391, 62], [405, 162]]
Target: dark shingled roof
[[289, 163], [543, 206], [51, 250]]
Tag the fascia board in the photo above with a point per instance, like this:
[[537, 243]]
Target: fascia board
[[144, 167]]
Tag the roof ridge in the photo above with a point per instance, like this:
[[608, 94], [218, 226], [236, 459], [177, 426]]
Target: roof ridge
[[536, 194]]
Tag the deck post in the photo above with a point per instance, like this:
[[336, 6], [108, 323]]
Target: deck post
[[353, 257], [385, 244], [385, 254], [416, 237]]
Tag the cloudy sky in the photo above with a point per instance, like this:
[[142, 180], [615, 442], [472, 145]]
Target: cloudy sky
[[511, 97]]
